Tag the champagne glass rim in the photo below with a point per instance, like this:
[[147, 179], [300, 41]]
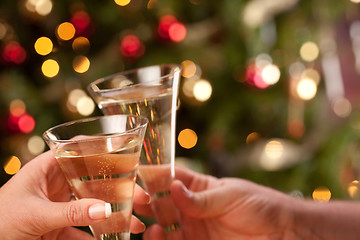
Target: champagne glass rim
[[143, 122], [175, 66]]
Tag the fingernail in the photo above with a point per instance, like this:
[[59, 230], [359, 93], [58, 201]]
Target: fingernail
[[186, 191], [144, 227], [149, 198], [100, 211]]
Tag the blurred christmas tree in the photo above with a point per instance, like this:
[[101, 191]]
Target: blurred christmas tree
[[269, 88]]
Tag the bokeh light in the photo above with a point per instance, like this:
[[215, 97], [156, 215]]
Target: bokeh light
[[165, 23], [12, 165], [342, 107], [252, 137], [309, 51], [65, 31], [188, 68], [14, 53], [81, 64], [41, 7], [321, 194], [85, 106], [50, 68], [81, 22], [187, 138], [17, 107], [353, 188], [81, 44], [122, 2], [311, 74], [273, 155], [306, 89], [177, 32], [202, 90], [43, 46], [270, 74], [36, 145], [132, 47], [26, 123]]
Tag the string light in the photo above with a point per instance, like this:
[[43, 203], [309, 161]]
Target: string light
[[252, 137], [81, 64], [65, 31], [50, 68], [132, 47], [85, 106], [353, 188], [81, 22], [122, 2], [306, 89], [26, 123], [202, 90], [43, 46], [17, 107], [12, 165], [14, 53], [270, 74], [321, 194], [188, 68], [80, 44], [177, 32], [309, 51], [35, 145], [272, 159], [187, 138]]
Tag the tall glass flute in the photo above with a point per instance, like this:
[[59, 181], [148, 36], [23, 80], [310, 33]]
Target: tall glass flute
[[150, 92], [100, 157]]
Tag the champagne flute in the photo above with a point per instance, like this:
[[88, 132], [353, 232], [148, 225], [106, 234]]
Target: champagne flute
[[150, 92], [99, 157]]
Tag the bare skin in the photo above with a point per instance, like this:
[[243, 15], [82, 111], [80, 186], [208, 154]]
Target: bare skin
[[35, 204]]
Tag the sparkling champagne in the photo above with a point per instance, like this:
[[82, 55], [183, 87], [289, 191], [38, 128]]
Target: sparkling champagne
[[104, 171], [155, 103]]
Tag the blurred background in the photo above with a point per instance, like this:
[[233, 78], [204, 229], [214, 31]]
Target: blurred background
[[270, 89]]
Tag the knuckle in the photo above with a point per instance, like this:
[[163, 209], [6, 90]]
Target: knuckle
[[75, 214]]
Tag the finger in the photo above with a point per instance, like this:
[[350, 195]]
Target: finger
[[140, 196], [136, 225], [75, 213], [154, 232], [207, 203], [71, 233], [144, 210]]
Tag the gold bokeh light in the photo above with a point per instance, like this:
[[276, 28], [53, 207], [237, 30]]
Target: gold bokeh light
[[188, 68], [50, 68], [17, 107], [309, 51], [43, 46], [321, 194], [81, 64], [80, 44], [122, 2], [12, 166], [65, 31], [187, 138]]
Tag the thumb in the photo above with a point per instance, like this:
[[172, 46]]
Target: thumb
[[207, 203], [76, 213]]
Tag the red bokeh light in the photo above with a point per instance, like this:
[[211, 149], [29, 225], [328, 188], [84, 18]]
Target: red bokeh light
[[165, 24], [82, 23], [132, 47], [177, 32], [254, 78], [14, 53], [26, 123]]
